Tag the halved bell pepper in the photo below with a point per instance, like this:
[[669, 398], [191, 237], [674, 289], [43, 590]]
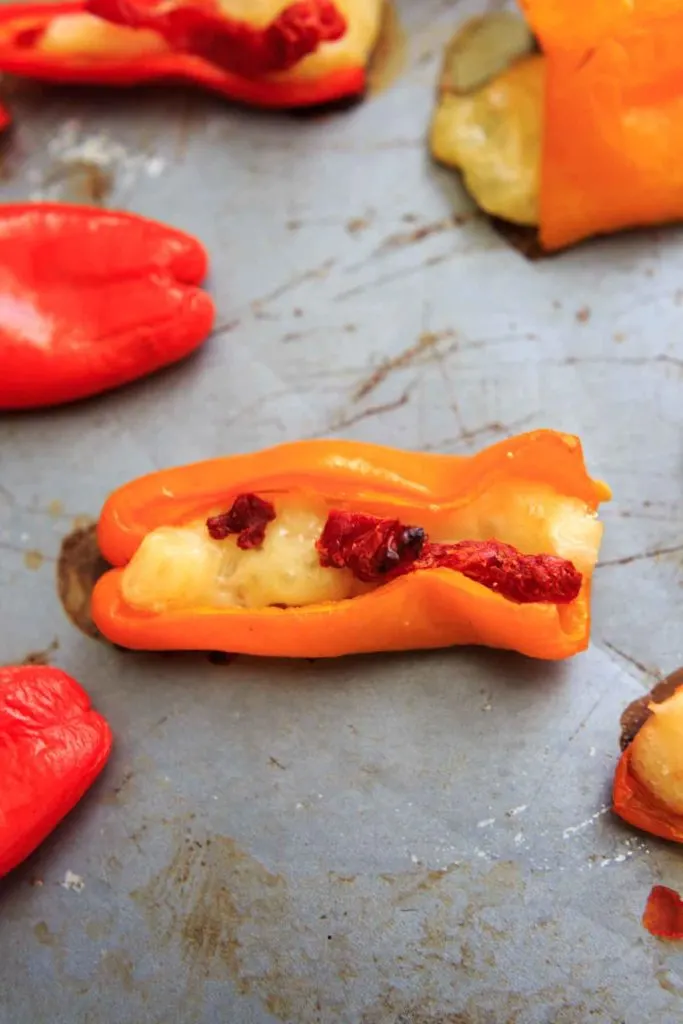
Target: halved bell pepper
[[53, 745], [243, 554], [613, 138], [648, 783], [91, 299], [284, 55]]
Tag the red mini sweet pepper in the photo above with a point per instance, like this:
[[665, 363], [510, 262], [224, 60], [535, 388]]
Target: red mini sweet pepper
[[91, 299], [302, 54], [53, 745]]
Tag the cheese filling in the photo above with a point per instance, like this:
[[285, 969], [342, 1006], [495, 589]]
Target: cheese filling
[[657, 752], [183, 567], [87, 36]]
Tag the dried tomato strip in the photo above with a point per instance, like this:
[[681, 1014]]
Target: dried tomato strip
[[201, 29], [248, 517], [368, 546], [663, 915], [376, 550]]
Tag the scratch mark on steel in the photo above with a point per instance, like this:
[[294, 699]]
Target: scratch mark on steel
[[502, 429], [315, 274], [427, 341], [343, 422], [633, 661], [641, 556], [400, 239]]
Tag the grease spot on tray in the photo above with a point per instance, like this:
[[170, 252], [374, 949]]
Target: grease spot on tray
[[79, 566], [33, 559]]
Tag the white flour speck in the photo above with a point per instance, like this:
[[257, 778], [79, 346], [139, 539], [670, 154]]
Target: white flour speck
[[485, 823], [73, 882], [514, 811]]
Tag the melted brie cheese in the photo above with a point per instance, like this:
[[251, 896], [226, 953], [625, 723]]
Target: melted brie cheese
[[657, 752], [533, 518], [182, 567], [493, 137], [84, 35]]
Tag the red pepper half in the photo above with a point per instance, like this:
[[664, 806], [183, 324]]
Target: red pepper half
[[257, 64], [91, 299], [5, 118], [53, 745]]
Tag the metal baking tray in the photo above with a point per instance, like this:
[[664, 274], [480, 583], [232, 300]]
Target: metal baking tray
[[413, 839]]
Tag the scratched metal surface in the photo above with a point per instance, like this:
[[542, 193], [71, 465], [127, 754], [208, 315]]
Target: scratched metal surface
[[420, 839]]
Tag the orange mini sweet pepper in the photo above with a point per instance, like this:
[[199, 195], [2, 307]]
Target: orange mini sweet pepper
[[613, 124], [517, 492], [632, 798]]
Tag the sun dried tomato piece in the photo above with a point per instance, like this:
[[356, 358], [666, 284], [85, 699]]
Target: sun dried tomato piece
[[370, 547], [501, 567], [376, 549], [249, 516], [663, 915], [202, 29]]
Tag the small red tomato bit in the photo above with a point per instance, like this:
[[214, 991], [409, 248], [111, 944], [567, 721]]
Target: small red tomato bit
[[663, 915], [202, 29], [370, 547], [374, 548], [248, 517]]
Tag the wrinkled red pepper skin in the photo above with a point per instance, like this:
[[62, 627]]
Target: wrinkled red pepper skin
[[53, 745], [91, 300], [200, 28], [20, 23]]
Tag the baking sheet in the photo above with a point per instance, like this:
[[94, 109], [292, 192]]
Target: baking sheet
[[418, 839]]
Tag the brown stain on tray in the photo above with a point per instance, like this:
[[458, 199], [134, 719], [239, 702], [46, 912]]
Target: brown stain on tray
[[390, 56], [79, 566]]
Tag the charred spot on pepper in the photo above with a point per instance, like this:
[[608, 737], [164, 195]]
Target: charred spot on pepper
[[248, 517]]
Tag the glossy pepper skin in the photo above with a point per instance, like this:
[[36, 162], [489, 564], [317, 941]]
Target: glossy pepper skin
[[53, 745], [634, 802], [613, 140], [432, 608], [91, 300], [21, 25]]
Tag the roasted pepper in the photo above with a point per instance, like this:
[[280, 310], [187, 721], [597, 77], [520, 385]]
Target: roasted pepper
[[613, 138], [53, 745], [285, 55], [320, 549], [92, 300], [583, 139], [648, 784]]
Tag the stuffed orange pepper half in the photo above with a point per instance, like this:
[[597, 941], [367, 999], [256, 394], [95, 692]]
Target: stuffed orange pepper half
[[648, 783], [581, 139], [268, 54], [327, 548]]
